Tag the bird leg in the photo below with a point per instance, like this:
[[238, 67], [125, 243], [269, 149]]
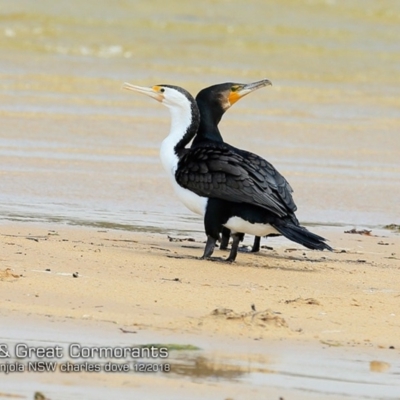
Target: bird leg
[[237, 238], [209, 249], [226, 233], [256, 245], [254, 249]]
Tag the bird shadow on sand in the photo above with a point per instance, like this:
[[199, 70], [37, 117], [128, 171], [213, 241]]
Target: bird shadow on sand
[[188, 257], [255, 262]]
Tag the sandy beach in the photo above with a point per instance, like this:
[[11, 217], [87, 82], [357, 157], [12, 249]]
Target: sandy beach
[[347, 297], [156, 289]]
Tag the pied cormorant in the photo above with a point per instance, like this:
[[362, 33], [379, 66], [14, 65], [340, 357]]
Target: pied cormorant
[[230, 187]]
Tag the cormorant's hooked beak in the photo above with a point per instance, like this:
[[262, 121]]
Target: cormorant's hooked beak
[[154, 92], [239, 91]]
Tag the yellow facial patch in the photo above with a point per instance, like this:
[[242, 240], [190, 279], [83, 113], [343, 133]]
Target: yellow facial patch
[[234, 97], [158, 93]]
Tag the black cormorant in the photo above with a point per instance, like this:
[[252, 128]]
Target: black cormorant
[[213, 102]]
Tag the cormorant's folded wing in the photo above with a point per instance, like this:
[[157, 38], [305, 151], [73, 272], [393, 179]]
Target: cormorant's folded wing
[[271, 175], [220, 172]]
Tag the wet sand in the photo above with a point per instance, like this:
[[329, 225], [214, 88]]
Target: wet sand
[[318, 315]]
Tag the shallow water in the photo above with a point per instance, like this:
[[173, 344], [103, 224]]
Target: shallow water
[[76, 148], [298, 370]]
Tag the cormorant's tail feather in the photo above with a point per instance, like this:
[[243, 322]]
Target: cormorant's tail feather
[[301, 235]]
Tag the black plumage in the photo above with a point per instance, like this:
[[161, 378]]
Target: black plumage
[[219, 170], [213, 102]]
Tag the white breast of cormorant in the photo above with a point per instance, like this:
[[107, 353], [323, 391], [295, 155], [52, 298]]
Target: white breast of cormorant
[[237, 224], [191, 200], [169, 161]]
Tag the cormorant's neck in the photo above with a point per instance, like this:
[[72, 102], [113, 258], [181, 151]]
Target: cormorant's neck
[[208, 128], [185, 118], [184, 125]]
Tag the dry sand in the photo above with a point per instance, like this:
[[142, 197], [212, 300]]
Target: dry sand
[[145, 283]]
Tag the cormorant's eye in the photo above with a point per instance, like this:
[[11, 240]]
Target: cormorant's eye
[[162, 90], [234, 88]]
